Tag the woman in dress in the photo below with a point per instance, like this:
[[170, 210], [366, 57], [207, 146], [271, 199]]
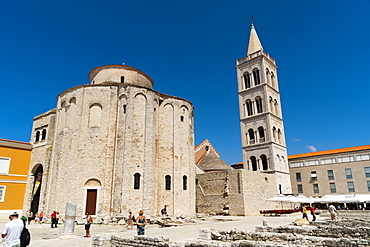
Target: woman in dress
[[140, 222]]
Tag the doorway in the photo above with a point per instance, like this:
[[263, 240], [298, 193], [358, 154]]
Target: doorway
[[91, 196]]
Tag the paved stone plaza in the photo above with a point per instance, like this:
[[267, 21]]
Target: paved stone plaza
[[45, 236]]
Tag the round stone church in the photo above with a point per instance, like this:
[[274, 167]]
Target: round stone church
[[114, 146]]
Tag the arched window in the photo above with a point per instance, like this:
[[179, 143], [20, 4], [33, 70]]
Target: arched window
[[247, 80], [37, 137], [254, 163], [184, 182], [272, 108], [273, 84], [264, 162], [251, 136], [248, 105], [124, 109], [122, 79], [256, 77], [261, 133], [276, 107], [279, 135], [259, 104], [268, 77], [137, 181], [182, 118], [43, 135], [95, 115], [274, 133], [168, 182]]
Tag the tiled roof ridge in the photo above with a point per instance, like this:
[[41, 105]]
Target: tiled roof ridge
[[332, 151]]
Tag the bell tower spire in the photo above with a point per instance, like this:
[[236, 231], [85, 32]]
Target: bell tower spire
[[254, 44], [263, 140]]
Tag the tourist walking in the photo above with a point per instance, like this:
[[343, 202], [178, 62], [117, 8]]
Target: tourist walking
[[12, 231], [29, 216], [304, 213], [53, 219], [41, 216], [313, 213], [140, 222], [333, 212], [130, 221], [89, 221], [56, 219]]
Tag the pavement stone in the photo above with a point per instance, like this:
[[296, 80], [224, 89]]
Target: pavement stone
[[42, 235]]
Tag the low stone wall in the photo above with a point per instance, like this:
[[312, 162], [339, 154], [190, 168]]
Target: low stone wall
[[321, 231]]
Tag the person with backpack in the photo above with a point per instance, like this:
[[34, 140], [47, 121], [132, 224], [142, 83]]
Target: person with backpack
[[14, 231]]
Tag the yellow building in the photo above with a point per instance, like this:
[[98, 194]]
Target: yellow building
[[14, 162]]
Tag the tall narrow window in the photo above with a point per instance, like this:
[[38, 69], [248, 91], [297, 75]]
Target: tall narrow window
[[124, 109], [313, 176], [184, 182], [251, 136], [259, 104], [316, 188], [349, 173], [137, 181], [264, 162], [168, 182], [298, 177], [300, 188], [333, 189], [330, 175], [256, 77], [254, 163], [367, 172], [247, 80], [43, 135], [37, 138], [261, 133], [2, 192], [351, 187], [368, 186], [248, 105], [122, 79]]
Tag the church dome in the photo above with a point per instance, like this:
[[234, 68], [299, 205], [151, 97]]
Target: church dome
[[120, 74]]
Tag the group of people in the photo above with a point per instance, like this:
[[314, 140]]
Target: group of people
[[141, 220], [332, 211], [37, 217], [311, 209]]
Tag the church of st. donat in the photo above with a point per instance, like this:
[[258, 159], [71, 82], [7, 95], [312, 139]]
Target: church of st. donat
[[116, 145]]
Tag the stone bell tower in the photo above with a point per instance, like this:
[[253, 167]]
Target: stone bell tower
[[262, 129]]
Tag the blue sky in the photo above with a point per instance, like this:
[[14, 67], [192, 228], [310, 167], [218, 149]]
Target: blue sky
[[189, 48]]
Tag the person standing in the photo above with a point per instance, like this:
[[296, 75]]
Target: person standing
[[140, 222], [164, 211], [333, 212], [130, 221], [89, 221], [304, 212], [53, 219], [313, 213], [41, 216], [12, 231], [56, 219], [29, 216]]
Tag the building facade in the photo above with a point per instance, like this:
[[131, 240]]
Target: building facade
[[262, 131], [14, 162], [113, 146], [337, 171]]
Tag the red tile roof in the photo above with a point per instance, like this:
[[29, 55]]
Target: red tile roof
[[333, 151]]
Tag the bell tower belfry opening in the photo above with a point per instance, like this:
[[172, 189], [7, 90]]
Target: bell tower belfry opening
[[262, 130]]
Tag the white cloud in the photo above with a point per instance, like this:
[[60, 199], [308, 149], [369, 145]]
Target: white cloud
[[311, 147], [295, 139]]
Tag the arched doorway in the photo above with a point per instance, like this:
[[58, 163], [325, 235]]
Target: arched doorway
[[36, 189], [92, 188]]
